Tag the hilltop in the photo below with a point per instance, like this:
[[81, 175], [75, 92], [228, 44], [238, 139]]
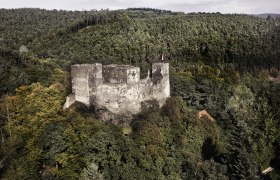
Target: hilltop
[[219, 63], [265, 15]]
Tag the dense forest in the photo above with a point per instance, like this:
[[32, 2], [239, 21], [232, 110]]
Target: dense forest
[[226, 64]]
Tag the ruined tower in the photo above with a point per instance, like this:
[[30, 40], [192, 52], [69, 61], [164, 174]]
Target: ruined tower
[[117, 88]]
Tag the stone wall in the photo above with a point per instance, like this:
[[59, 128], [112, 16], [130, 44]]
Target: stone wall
[[118, 88]]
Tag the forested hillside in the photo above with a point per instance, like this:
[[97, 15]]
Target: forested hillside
[[227, 65]]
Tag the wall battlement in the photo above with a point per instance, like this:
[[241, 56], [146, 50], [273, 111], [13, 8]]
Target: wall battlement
[[117, 88]]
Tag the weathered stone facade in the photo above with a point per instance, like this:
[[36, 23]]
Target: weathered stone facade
[[118, 88]]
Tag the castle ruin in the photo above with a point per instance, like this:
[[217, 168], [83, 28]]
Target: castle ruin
[[118, 88]]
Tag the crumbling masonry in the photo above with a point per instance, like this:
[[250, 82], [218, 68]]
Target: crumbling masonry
[[117, 88]]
